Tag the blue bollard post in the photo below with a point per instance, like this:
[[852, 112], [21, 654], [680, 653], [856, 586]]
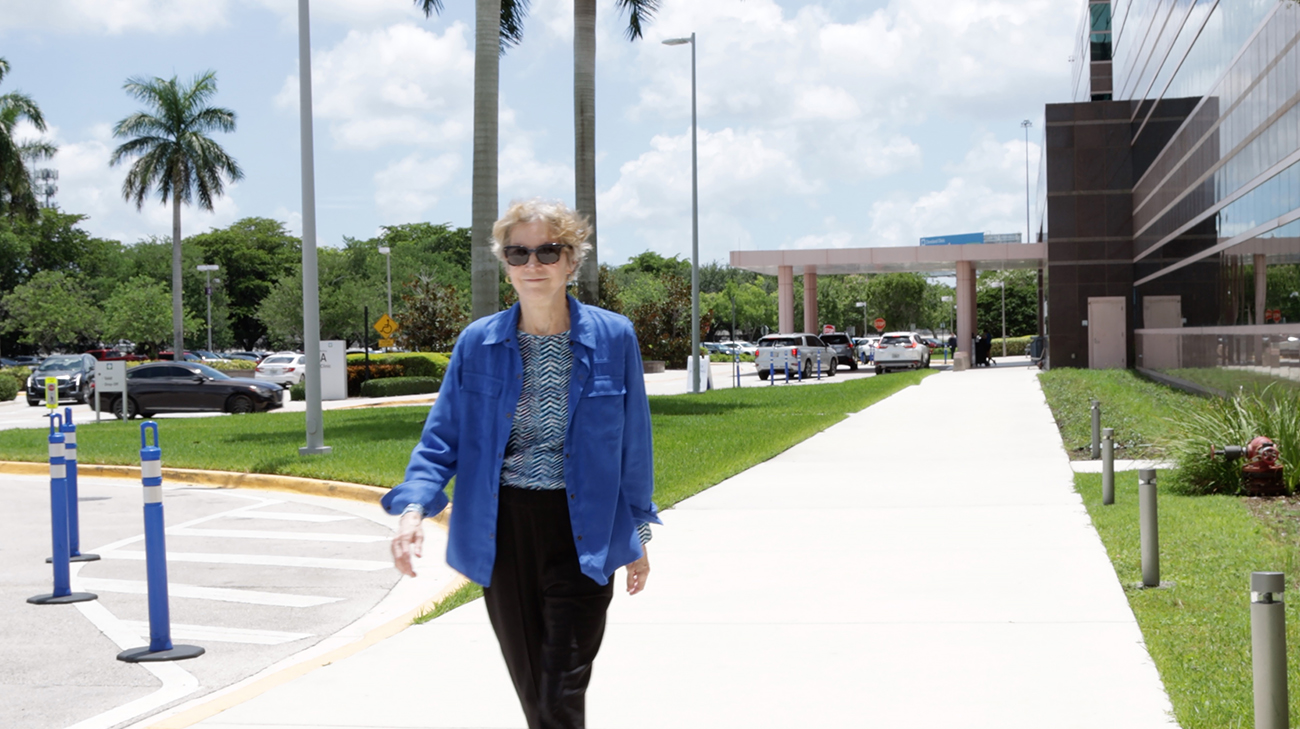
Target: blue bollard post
[[819, 365], [160, 646], [69, 431], [771, 370], [63, 593], [787, 368]]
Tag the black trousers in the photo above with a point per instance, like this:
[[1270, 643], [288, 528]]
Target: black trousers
[[549, 617]]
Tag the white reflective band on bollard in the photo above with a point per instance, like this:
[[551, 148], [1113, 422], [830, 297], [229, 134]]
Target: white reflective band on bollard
[[70, 438], [151, 469], [58, 470], [153, 494], [56, 450]]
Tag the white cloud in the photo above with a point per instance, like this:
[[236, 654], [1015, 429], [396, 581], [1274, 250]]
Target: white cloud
[[113, 16], [986, 193], [351, 13], [413, 184], [401, 85]]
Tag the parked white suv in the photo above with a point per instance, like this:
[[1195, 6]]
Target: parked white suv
[[901, 351], [795, 352]]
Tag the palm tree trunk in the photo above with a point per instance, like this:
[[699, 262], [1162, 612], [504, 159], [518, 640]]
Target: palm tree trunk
[[485, 276], [178, 331], [584, 128]]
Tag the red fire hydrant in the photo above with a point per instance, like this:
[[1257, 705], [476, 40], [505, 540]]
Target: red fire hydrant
[[1261, 473]]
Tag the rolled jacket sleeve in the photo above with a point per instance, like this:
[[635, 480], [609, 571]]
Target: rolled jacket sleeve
[[638, 468], [434, 457]]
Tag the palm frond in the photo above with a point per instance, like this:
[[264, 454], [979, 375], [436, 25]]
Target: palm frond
[[640, 13], [4, 69], [212, 118], [428, 6], [513, 13], [38, 150], [23, 107], [141, 124]]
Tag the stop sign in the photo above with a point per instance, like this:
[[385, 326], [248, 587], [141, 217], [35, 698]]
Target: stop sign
[[828, 328], [880, 324]]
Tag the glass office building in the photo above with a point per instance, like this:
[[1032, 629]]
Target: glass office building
[[1170, 188]]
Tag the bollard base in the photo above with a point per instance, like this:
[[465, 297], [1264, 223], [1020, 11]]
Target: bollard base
[[315, 450], [52, 599], [77, 558], [144, 655]]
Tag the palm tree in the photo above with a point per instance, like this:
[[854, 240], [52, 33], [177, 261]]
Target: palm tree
[[487, 51], [584, 120], [16, 195], [176, 157]]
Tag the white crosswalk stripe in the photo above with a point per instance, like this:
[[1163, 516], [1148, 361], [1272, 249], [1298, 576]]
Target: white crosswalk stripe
[[287, 516], [269, 560], [223, 594], [289, 536], [212, 634]]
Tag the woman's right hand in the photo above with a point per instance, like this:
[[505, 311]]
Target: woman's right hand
[[408, 543]]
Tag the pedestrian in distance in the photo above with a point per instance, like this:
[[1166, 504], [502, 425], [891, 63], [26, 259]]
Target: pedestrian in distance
[[544, 422]]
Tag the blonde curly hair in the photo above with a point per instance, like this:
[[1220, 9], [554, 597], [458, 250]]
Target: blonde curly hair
[[566, 226]]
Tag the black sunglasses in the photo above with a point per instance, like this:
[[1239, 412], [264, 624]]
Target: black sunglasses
[[547, 253]]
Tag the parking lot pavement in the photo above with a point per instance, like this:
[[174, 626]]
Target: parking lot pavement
[[260, 580]]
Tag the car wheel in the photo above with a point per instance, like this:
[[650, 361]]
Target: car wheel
[[835, 363], [762, 374], [33, 403], [880, 370], [131, 409], [80, 397], [239, 404], [807, 369], [853, 365]]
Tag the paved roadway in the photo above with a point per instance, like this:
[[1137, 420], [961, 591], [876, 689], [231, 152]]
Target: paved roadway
[[257, 578]]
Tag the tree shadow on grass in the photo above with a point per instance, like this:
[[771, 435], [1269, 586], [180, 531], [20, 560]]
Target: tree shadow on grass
[[679, 406]]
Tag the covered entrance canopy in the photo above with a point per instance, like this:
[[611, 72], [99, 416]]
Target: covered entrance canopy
[[961, 260]]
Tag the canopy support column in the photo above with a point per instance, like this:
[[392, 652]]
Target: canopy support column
[[810, 299], [785, 299]]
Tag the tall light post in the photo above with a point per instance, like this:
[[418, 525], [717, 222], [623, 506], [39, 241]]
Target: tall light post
[[207, 270], [863, 306], [1002, 284], [695, 225], [1028, 231], [310, 282], [388, 263]]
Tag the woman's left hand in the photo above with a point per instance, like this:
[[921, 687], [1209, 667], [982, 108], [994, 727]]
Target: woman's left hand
[[637, 572]]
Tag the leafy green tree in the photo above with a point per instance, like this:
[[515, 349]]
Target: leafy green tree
[[1021, 302], [140, 310], [175, 156], [51, 309], [663, 322], [898, 298], [433, 316], [755, 309], [253, 253], [17, 197]]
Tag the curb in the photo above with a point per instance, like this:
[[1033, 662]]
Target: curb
[[227, 480]]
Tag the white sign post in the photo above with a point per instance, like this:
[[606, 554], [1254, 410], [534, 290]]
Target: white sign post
[[110, 376], [333, 370]]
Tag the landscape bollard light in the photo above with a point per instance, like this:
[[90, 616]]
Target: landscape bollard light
[[160, 646], [1096, 429], [62, 593], [1149, 524], [1268, 649], [1108, 466], [69, 431]]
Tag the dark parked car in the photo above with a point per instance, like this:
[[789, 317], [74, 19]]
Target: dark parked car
[[189, 387], [74, 372], [845, 352]]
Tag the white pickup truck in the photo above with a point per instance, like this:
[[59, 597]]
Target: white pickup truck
[[795, 352]]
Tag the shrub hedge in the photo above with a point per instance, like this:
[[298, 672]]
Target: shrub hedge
[[9, 387], [298, 391], [390, 386], [1016, 346]]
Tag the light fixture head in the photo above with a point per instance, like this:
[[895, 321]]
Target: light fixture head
[[208, 267], [676, 41], [384, 250]]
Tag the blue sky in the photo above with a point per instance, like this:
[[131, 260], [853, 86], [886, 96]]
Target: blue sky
[[822, 124]]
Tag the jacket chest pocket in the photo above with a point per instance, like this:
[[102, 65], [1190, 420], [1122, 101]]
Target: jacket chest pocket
[[481, 385], [602, 405]]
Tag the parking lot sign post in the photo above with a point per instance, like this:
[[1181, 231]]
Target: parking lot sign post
[[110, 376]]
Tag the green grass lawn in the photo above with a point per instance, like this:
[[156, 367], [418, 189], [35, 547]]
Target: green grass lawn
[[1197, 629], [1143, 413], [1230, 381], [700, 440]]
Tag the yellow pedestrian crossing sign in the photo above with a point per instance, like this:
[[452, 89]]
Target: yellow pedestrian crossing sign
[[386, 326]]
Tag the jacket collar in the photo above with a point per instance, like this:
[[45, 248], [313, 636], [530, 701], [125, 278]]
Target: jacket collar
[[581, 326]]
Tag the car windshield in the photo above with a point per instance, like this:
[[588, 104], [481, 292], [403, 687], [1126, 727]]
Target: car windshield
[[896, 340], [60, 364], [779, 342]]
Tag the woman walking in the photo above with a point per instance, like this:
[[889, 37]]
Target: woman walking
[[543, 420]]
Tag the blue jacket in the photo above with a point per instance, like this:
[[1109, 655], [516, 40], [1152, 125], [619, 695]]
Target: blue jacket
[[609, 462]]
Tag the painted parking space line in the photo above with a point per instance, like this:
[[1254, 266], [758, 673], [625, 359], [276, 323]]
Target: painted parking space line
[[287, 516], [213, 634], [222, 594], [264, 560], [288, 536]]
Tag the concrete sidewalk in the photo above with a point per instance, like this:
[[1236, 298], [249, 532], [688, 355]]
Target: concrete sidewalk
[[897, 570]]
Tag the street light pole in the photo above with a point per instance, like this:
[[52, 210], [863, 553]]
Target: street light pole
[[207, 270], [1028, 230], [388, 262], [695, 225], [1002, 284], [310, 282], [863, 306]]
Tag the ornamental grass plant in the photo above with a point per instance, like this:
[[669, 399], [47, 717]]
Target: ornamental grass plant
[[1271, 411]]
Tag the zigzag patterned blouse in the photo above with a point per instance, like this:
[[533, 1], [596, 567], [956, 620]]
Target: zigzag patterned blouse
[[535, 452]]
